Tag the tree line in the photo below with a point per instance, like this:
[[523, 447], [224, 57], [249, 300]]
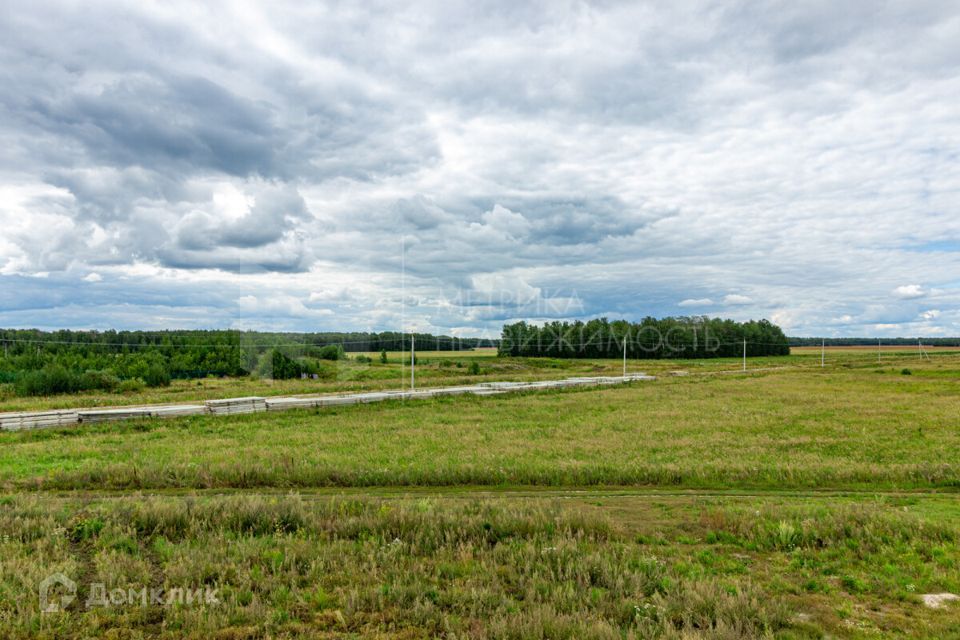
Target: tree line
[[47, 362], [651, 338]]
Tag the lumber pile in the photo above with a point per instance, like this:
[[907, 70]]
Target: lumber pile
[[93, 416], [177, 410], [233, 406], [37, 419], [282, 404]]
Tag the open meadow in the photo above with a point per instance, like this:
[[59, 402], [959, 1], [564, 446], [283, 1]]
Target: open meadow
[[792, 500]]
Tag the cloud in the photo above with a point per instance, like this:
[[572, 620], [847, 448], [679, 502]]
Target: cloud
[[695, 302], [909, 291], [459, 165], [275, 213]]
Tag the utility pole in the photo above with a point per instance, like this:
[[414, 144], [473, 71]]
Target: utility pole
[[823, 352], [413, 362], [744, 354]]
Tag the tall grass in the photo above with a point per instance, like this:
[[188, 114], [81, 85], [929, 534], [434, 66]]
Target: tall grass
[[288, 566]]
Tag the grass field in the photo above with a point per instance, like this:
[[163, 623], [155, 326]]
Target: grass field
[[448, 368], [792, 501]]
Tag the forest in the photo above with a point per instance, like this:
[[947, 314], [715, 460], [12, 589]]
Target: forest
[[651, 338], [41, 363]]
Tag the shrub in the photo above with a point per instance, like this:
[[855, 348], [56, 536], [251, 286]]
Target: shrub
[[85, 529], [383, 356], [364, 359], [156, 375], [906, 372], [285, 368], [331, 352], [102, 380], [475, 368], [48, 381], [131, 385]]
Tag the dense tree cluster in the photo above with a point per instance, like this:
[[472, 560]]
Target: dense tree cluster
[[693, 337], [38, 362]]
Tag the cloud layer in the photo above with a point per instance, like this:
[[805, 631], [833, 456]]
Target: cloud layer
[[450, 167]]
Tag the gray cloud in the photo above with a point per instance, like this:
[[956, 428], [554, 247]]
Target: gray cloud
[[788, 160]]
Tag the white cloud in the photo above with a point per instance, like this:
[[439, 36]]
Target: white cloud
[[93, 277], [278, 304], [909, 291], [695, 302], [736, 299]]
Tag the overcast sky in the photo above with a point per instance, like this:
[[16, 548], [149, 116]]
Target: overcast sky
[[448, 168]]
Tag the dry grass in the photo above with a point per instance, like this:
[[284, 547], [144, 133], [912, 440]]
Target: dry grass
[[290, 566]]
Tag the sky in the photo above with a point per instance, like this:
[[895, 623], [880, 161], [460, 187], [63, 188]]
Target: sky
[[449, 167]]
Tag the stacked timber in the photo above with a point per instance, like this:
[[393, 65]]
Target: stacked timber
[[177, 410], [375, 396], [282, 404], [420, 394], [37, 419], [335, 401], [93, 416], [502, 385], [230, 406], [453, 391], [233, 406]]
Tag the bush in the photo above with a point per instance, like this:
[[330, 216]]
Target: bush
[[131, 385], [285, 368], [383, 356], [364, 359], [331, 352], [906, 372], [156, 375], [50, 380], [475, 368], [98, 380]]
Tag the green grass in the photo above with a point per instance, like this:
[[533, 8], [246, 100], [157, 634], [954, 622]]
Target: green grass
[[832, 429], [794, 502], [446, 368], [449, 368]]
